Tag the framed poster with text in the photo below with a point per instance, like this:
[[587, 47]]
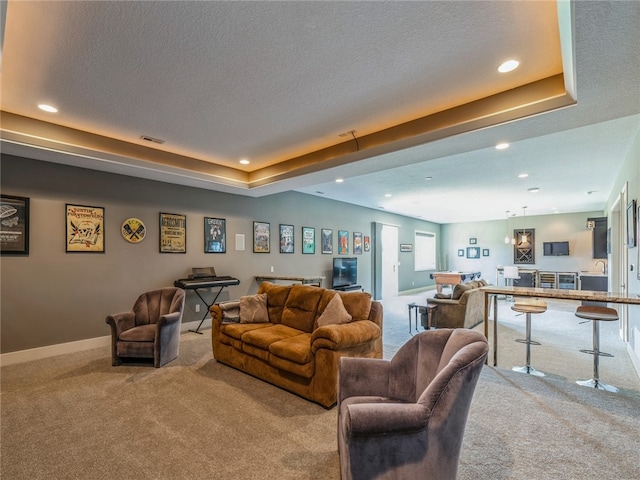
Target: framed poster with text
[[85, 229], [308, 240], [261, 237], [14, 225], [215, 235], [173, 233]]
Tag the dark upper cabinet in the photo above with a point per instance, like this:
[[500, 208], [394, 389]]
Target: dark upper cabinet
[[600, 237]]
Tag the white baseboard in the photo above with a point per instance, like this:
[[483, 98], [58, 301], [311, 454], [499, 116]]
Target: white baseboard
[[39, 353]]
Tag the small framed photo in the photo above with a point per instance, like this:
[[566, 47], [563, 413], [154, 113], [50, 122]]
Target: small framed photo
[[326, 240], [286, 238], [367, 243], [14, 225], [406, 247], [357, 243], [215, 235], [343, 242], [485, 252], [460, 252], [261, 237], [473, 252], [473, 241], [308, 240], [85, 229], [631, 224]]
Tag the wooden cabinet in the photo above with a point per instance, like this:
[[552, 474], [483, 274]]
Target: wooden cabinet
[[599, 241]]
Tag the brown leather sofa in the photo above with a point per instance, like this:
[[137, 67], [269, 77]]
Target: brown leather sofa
[[464, 308], [291, 350]]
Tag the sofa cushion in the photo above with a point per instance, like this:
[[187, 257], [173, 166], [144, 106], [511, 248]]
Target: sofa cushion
[[236, 330], [458, 290], [301, 307], [141, 333], [357, 304], [264, 337], [442, 295], [334, 313], [296, 349], [253, 308], [276, 299]]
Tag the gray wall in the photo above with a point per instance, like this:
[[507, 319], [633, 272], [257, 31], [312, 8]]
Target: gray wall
[[53, 297]]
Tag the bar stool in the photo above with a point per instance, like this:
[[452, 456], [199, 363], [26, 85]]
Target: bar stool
[[528, 307], [596, 314]]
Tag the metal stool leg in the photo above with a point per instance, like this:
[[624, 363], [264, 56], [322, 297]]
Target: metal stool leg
[[595, 382], [528, 369]]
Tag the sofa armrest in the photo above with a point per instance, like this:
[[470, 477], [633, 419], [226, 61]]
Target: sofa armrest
[[386, 418], [121, 322], [363, 377], [336, 337]]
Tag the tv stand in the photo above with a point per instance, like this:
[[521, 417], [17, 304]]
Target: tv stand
[[348, 288]]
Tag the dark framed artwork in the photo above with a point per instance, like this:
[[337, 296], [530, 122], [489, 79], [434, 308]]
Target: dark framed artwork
[[631, 224], [215, 235], [84, 229], [286, 238], [473, 252], [14, 221], [357, 243], [326, 240], [485, 252], [367, 243], [173, 233], [460, 252], [406, 247], [473, 241], [261, 237], [308, 240], [133, 230], [343, 242]]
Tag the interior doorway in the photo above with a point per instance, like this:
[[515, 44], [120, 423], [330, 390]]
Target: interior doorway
[[618, 259], [389, 267]]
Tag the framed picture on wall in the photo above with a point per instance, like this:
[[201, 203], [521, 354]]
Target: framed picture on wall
[[485, 252], [343, 242], [85, 229], [367, 243], [357, 243], [286, 239], [173, 233], [215, 235], [473, 252], [14, 225], [261, 237], [308, 240], [326, 240]]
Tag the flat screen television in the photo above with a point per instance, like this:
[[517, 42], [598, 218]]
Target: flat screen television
[[345, 271], [555, 248]]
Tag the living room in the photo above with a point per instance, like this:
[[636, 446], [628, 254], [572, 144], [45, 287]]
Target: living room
[[54, 342]]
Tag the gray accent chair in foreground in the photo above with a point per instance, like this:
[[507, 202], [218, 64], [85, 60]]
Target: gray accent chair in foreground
[[404, 418], [150, 330]]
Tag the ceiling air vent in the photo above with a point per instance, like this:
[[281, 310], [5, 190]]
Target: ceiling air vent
[[151, 139]]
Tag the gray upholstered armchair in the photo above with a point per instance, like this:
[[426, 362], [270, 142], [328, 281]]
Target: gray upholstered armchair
[[150, 330], [405, 418]]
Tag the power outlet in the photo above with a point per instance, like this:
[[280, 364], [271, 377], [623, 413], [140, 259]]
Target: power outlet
[[197, 308], [272, 269]]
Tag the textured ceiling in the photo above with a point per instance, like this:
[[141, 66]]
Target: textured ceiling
[[278, 82]]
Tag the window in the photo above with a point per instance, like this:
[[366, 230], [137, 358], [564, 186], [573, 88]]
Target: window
[[425, 252]]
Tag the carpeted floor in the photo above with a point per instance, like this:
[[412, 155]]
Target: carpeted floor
[[76, 417]]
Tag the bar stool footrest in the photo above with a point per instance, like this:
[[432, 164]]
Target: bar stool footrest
[[525, 341], [600, 354]]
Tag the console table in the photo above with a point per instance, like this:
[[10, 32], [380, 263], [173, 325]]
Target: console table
[[317, 281], [561, 294], [453, 278]]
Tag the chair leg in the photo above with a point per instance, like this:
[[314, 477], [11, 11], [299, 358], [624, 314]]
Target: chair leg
[[595, 382], [527, 368]]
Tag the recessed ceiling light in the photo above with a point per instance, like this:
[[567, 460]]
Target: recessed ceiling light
[[533, 190], [591, 192], [508, 66], [319, 192], [47, 108], [428, 178], [502, 146], [387, 195], [339, 180], [244, 161], [523, 175]]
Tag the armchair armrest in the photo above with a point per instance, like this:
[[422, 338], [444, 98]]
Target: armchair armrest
[[363, 377], [121, 322], [169, 319], [336, 337], [385, 418]]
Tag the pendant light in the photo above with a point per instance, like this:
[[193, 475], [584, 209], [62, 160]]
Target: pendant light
[[507, 237], [523, 238]]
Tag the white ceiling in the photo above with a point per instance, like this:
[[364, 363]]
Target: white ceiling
[[271, 81]]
